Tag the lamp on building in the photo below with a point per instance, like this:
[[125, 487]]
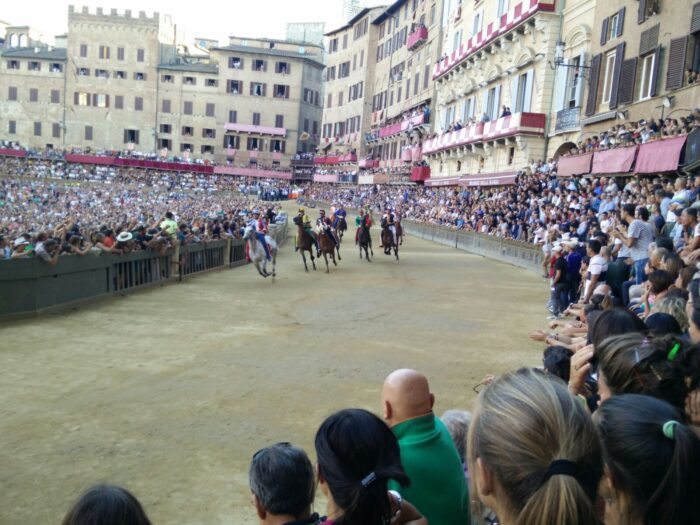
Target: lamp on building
[[559, 60], [669, 101]]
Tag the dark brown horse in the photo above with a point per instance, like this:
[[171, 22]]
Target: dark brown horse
[[389, 243], [328, 247], [305, 243], [364, 239]]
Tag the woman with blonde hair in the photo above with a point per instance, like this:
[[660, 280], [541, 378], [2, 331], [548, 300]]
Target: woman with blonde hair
[[533, 453]]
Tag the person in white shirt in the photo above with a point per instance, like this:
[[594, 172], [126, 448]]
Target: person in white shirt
[[597, 269]]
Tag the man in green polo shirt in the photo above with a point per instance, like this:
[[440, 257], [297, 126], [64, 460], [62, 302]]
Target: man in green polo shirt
[[438, 486]]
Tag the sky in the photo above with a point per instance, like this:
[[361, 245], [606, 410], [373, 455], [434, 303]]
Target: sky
[[198, 18]]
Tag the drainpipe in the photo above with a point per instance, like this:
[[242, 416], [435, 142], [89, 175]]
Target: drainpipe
[[561, 5]]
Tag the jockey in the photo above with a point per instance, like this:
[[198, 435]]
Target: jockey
[[306, 224], [363, 218], [388, 222], [340, 213], [260, 227], [324, 225]]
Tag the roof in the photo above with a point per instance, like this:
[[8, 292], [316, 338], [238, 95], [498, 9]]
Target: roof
[[389, 11], [44, 53], [271, 52], [354, 19], [196, 67], [277, 41]]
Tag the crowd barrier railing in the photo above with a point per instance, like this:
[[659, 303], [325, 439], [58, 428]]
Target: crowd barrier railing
[[518, 253], [30, 287]]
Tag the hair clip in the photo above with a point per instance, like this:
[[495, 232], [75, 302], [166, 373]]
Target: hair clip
[[368, 479], [674, 352], [669, 429]]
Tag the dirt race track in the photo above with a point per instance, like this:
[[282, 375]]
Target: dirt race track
[[170, 391]]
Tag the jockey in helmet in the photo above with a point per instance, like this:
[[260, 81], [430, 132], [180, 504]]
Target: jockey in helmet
[[306, 224], [325, 226], [260, 226], [388, 222], [339, 213]]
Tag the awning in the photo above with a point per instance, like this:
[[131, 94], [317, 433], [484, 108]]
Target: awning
[[491, 179], [420, 173], [660, 156], [617, 160], [574, 165], [325, 178], [9, 152], [444, 181]]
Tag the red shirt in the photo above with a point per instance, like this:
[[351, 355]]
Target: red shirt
[[108, 242]]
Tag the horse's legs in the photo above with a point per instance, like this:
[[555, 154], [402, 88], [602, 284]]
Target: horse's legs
[[338, 250], [396, 252], [325, 256], [313, 260], [306, 268]]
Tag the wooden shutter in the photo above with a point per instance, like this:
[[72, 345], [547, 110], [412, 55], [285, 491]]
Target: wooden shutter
[[695, 19], [627, 81], [621, 21], [76, 98], [592, 100], [617, 73], [641, 13], [655, 72], [676, 63], [604, 32], [649, 40]]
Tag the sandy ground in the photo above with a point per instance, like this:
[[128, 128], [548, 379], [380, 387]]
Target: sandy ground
[[170, 391]]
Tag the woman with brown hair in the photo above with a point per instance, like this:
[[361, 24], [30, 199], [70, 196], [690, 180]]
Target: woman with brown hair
[[533, 453]]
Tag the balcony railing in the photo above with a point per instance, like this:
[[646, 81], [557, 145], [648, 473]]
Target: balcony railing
[[396, 128], [336, 159], [517, 124], [567, 119], [516, 15], [417, 38]]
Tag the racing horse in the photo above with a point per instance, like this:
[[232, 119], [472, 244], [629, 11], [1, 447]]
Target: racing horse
[[305, 243], [388, 242], [328, 247], [399, 230], [340, 225], [364, 239], [256, 252]]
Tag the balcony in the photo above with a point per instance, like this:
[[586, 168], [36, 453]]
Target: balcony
[[516, 15], [394, 129], [350, 158], [255, 130], [567, 120], [300, 163], [531, 124], [417, 38]]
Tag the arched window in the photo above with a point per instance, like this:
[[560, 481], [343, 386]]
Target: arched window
[[13, 40], [22, 41]]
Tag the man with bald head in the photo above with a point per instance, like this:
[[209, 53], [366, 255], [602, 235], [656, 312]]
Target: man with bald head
[[428, 454]]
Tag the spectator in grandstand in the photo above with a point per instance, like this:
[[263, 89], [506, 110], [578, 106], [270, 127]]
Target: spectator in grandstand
[[651, 459], [282, 482], [106, 504], [438, 488], [357, 456], [457, 424], [533, 453], [5, 248]]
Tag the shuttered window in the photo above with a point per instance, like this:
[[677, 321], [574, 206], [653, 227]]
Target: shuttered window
[[604, 32], [617, 73], [627, 80], [593, 85], [642, 12], [649, 40], [676, 63], [695, 20], [655, 72]]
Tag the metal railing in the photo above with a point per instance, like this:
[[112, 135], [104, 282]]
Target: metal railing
[[31, 286]]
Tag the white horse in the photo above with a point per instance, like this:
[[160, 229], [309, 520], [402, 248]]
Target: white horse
[[256, 251]]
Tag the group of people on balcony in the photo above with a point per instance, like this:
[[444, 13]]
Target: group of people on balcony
[[640, 132]]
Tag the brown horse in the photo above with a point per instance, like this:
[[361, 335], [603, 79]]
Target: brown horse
[[305, 243], [388, 242], [328, 247], [364, 239]]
